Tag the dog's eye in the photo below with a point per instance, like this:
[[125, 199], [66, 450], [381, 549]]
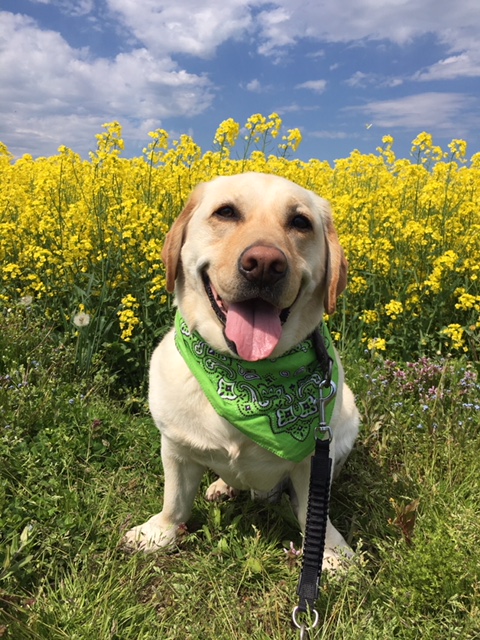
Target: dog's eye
[[227, 212], [302, 223]]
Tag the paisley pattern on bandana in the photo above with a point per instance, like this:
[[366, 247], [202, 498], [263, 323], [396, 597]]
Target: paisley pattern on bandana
[[274, 402]]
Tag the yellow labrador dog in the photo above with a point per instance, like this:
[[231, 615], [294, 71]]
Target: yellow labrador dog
[[254, 260]]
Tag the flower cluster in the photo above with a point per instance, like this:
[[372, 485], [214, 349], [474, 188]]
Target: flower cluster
[[393, 309], [127, 318], [429, 387], [227, 133], [455, 332]]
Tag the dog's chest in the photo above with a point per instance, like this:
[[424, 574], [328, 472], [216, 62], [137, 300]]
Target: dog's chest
[[185, 416], [215, 444]]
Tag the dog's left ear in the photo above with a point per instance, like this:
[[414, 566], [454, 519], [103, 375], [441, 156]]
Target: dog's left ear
[[337, 265], [176, 237]]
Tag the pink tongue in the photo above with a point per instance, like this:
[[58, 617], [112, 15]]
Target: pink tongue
[[254, 327]]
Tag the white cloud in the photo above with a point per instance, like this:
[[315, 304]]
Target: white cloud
[[296, 108], [274, 30], [329, 135], [254, 86], [62, 95], [392, 82], [317, 54], [464, 65], [317, 86], [395, 20], [199, 27], [192, 27], [423, 111], [71, 7], [360, 80], [455, 25]]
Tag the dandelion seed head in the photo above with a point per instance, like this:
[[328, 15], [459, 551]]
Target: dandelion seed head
[[81, 319]]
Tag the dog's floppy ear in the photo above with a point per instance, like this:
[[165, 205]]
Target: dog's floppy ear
[[337, 264], [176, 237]]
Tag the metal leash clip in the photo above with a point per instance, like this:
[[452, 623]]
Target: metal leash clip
[[301, 626], [323, 429]]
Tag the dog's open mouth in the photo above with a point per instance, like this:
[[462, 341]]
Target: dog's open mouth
[[253, 328]]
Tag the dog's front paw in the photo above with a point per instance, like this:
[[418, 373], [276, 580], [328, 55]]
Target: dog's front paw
[[219, 490], [151, 536]]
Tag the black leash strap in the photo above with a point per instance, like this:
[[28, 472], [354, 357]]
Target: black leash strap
[[317, 510], [315, 531], [323, 357]]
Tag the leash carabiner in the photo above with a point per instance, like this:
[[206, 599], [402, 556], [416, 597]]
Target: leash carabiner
[[301, 626], [323, 427]]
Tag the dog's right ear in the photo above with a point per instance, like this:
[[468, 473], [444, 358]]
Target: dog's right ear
[[176, 237], [337, 265]]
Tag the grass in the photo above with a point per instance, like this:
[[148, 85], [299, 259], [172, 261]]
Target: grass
[[79, 464]]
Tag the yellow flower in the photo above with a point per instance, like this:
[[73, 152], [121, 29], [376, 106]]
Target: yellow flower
[[386, 151], [292, 140], [455, 333], [227, 133], [357, 284], [127, 318], [467, 301], [422, 142], [11, 270], [458, 149], [393, 309], [155, 151], [275, 123], [376, 344], [369, 316]]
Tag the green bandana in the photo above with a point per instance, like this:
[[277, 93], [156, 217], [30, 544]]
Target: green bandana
[[274, 402]]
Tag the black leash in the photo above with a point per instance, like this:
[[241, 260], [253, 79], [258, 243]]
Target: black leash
[[318, 501]]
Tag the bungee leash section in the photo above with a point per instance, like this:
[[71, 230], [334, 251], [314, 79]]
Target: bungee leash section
[[305, 616]]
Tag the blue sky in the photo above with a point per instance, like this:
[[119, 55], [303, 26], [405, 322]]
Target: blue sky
[[345, 72]]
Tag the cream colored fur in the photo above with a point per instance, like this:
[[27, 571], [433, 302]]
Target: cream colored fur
[[194, 438]]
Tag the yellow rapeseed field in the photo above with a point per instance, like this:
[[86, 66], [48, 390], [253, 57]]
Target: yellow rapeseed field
[[80, 240]]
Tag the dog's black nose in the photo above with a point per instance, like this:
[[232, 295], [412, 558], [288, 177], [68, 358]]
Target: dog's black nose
[[263, 265]]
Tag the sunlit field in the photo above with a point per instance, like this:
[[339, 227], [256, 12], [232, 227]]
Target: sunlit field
[[82, 305], [85, 236]]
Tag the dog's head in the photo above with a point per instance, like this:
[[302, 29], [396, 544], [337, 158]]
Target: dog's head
[[254, 260]]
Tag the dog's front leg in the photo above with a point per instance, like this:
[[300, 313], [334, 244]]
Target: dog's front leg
[[182, 479], [336, 547]]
